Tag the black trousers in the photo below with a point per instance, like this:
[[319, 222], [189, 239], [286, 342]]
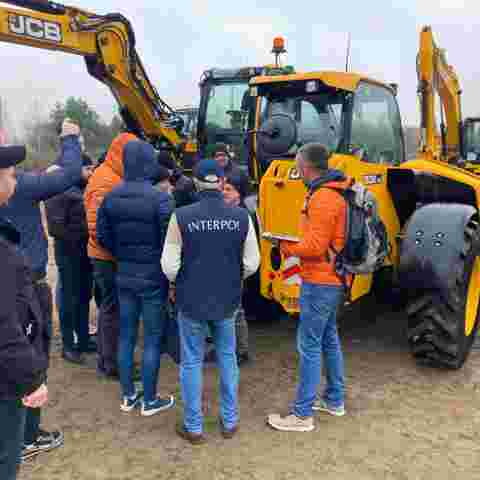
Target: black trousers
[[44, 296], [108, 330], [12, 420], [75, 272]]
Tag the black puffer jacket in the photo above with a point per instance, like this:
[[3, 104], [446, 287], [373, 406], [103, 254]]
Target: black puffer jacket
[[23, 364]]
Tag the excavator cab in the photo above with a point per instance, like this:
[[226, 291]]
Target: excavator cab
[[227, 110], [471, 143]]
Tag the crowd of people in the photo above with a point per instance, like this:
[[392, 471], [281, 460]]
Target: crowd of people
[[150, 244]]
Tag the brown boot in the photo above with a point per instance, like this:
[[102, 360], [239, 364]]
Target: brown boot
[[193, 438], [227, 433]]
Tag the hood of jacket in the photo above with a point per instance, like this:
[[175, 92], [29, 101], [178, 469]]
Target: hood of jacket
[[114, 158], [331, 176], [138, 161]]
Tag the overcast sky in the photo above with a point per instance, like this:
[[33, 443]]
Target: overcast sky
[[179, 39]]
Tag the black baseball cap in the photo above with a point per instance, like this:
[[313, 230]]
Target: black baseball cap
[[11, 155]]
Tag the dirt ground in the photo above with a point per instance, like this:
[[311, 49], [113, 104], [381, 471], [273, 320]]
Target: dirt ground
[[403, 421]]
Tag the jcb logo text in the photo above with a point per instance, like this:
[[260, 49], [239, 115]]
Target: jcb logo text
[[35, 28]]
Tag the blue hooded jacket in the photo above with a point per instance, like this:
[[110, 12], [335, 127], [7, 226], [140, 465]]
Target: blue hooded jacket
[[23, 209], [132, 222]]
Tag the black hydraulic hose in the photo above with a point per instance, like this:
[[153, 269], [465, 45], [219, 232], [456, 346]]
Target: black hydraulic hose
[[43, 6]]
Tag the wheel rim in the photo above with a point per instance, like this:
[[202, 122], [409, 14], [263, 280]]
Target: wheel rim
[[473, 298]]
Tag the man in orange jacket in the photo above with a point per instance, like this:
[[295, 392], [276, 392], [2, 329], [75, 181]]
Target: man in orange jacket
[[322, 234], [104, 179]]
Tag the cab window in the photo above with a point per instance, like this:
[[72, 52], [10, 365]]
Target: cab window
[[376, 126]]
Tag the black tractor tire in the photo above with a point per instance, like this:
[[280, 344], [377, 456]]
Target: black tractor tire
[[436, 322]]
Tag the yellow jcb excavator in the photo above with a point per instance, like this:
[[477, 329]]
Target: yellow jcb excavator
[[107, 43], [429, 204]]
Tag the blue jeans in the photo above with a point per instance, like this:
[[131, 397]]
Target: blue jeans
[[12, 419], [316, 336], [192, 340], [151, 306]]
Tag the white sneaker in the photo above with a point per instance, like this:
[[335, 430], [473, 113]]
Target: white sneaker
[[322, 406], [290, 423]]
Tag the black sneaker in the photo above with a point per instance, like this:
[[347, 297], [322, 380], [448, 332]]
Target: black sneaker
[[73, 357], [45, 442], [108, 374], [243, 359]]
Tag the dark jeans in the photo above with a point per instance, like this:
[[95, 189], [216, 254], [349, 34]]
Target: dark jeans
[[108, 323], [12, 420], [33, 415], [75, 271], [151, 305]]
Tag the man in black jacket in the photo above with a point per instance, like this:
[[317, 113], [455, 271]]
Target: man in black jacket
[[23, 364], [67, 224]]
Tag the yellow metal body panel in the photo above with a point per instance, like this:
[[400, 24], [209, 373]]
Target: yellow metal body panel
[[282, 195], [473, 298], [341, 80]]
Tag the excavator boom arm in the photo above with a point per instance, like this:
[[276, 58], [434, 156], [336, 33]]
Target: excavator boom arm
[[435, 75], [107, 42]]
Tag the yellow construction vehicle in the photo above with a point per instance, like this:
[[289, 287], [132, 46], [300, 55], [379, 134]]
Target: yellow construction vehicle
[[226, 112], [429, 205], [107, 43]]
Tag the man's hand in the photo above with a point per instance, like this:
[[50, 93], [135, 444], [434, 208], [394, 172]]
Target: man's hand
[[37, 399], [69, 127], [285, 248], [171, 293]]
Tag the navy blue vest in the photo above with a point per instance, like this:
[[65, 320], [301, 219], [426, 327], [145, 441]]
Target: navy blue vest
[[209, 283]]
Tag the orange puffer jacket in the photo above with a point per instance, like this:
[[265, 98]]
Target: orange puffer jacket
[[322, 227], [105, 178]]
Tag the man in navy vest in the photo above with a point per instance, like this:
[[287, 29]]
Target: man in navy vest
[[209, 249]]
